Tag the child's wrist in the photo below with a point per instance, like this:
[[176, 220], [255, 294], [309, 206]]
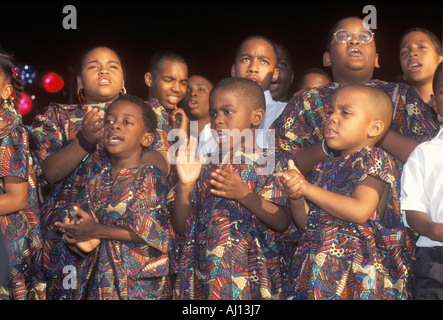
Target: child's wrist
[[85, 144]]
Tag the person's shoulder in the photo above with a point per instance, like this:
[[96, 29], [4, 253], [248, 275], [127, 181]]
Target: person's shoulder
[[152, 172]]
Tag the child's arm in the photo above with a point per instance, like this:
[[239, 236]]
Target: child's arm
[[424, 225], [357, 208], [88, 228], [188, 173], [294, 189], [309, 156], [398, 145], [15, 197], [63, 162], [230, 185]]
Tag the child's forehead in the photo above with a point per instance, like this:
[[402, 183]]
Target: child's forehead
[[415, 36], [166, 65], [125, 108], [222, 97], [352, 94], [251, 45], [352, 23]]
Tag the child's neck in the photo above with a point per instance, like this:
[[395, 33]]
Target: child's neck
[[424, 91]]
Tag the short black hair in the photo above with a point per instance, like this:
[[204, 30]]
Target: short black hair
[[159, 56], [257, 37], [245, 88], [149, 118], [436, 42], [437, 77]]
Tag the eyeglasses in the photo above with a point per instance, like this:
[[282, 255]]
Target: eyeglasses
[[344, 36]]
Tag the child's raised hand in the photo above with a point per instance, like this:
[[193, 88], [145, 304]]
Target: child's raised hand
[[92, 125], [188, 170], [292, 181], [228, 184], [179, 120]]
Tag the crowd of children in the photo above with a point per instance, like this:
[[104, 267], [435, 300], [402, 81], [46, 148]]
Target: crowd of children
[[327, 193]]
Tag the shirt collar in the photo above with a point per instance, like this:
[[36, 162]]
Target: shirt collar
[[268, 97]]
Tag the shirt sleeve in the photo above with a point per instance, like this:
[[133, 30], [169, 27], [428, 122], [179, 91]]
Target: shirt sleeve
[[46, 133], [413, 196]]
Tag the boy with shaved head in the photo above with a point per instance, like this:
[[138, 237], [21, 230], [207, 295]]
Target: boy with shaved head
[[231, 214]]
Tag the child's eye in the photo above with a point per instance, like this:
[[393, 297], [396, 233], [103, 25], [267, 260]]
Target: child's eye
[[404, 53], [127, 122], [108, 121]]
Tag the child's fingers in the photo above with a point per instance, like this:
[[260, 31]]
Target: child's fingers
[[217, 184]]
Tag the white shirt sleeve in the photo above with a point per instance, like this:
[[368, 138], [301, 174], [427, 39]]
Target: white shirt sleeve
[[413, 185]]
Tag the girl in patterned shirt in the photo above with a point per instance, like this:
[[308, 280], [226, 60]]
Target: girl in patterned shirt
[[19, 207]]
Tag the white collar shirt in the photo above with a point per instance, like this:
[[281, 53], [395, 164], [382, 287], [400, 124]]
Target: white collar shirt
[[422, 183], [273, 110]]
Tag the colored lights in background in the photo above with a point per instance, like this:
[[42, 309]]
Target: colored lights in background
[[25, 103], [27, 73], [53, 82]]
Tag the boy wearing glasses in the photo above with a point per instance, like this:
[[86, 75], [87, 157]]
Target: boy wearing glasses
[[351, 55]]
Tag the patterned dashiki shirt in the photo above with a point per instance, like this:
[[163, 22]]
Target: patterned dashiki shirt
[[336, 259], [302, 121], [161, 142], [51, 131], [21, 230], [228, 253], [134, 200]]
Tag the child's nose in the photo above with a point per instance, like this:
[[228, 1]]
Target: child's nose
[[354, 39], [253, 66]]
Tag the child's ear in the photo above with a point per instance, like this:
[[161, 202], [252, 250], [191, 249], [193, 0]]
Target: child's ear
[[7, 91], [433, 103], [326, 59], [147, 139], [79, 82], [275, 74], [258, 117], [233, 70], [377, 65], [148, 79], [377, 128]]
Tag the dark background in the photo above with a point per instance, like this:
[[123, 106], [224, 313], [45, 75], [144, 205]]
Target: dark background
[[205, 33]]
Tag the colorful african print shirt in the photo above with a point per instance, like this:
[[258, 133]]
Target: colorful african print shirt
[[134, 200], [21, 230], [336, 259], [302, 121], [51, 131], [163, 126], [228, 253]]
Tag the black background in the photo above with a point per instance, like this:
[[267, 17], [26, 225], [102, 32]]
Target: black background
[[206, 33]]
